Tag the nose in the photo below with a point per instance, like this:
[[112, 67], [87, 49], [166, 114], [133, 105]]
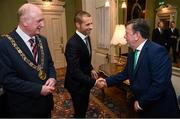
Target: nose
[[91, 27], [42, 23]]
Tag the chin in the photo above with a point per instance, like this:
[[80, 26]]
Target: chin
[[88, 33], [37, 33]]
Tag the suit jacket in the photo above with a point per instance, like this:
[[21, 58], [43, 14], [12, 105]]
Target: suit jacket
[[159, 38], [150, 82], [78, 74], [174, 33], [21, 82]]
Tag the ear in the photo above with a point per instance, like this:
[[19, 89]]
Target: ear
[[77, 25], [137, 35], [24, 23]]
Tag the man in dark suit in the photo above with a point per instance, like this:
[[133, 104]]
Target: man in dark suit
[[159, 34], [173, 35], [80, 75], [149, 70], [28, 74]]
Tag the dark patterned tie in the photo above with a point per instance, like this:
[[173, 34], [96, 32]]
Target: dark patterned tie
[[34, 48], [87, 44]]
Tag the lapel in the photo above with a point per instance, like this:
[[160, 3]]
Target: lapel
[[131, 62], [173, 30], [157, 31], [84, 46], [141, 56], [21, 44]]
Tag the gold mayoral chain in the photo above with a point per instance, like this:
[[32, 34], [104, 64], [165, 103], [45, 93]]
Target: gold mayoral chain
[[39, 67]]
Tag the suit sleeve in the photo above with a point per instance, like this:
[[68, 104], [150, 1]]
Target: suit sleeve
[[160, 68], [118, 78], [73, 62], [51, 72], [177, 33]]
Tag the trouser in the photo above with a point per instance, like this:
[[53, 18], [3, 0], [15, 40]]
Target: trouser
[[173, 45], [3, 106], [80, 103]]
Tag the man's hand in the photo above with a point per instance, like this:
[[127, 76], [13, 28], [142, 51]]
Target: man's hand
[[101, 83], [47, 90], [136, 106], [51, 82], [48, 87], [94, 74]]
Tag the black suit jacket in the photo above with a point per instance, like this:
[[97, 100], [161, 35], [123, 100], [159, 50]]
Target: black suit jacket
[[78, 75], [21, 82], [159, 38], [175, 33]]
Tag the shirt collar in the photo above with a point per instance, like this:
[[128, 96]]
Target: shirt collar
[[81, 35], [139, 48], [159, 28], [23, 35]]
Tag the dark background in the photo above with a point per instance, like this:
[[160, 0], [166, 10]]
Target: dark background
[[138, 10]]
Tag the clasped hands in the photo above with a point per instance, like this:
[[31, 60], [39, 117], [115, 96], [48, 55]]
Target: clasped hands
[[101, 83], [48, 87]]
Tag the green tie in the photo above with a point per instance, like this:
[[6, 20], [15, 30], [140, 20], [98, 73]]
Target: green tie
[[135, 57]]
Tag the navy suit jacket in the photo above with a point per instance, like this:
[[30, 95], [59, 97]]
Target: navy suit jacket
[[150, 82], [21, 82], [78, 74]]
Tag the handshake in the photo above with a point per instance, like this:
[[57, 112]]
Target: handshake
[[101, 83]]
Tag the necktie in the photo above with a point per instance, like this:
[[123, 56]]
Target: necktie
[[135, 58], [34, 48], [87, 44]]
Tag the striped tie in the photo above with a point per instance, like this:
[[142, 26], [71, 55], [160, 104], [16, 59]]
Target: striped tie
[[34, 48]]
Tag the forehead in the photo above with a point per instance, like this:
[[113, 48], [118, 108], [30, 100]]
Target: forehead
[[86, 19], [161, 23], [129, 28]]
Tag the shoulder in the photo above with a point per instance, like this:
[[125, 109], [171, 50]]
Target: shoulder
[[5, 45], [74, 39], [155, 49], [177, 29], [3, 40]]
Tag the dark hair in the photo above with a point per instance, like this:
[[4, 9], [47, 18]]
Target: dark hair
[[160, 22], [78, 16], [172, 22], [140, 25]]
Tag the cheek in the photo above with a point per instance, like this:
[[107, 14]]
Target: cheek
[[130, 40], [127, 38]]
